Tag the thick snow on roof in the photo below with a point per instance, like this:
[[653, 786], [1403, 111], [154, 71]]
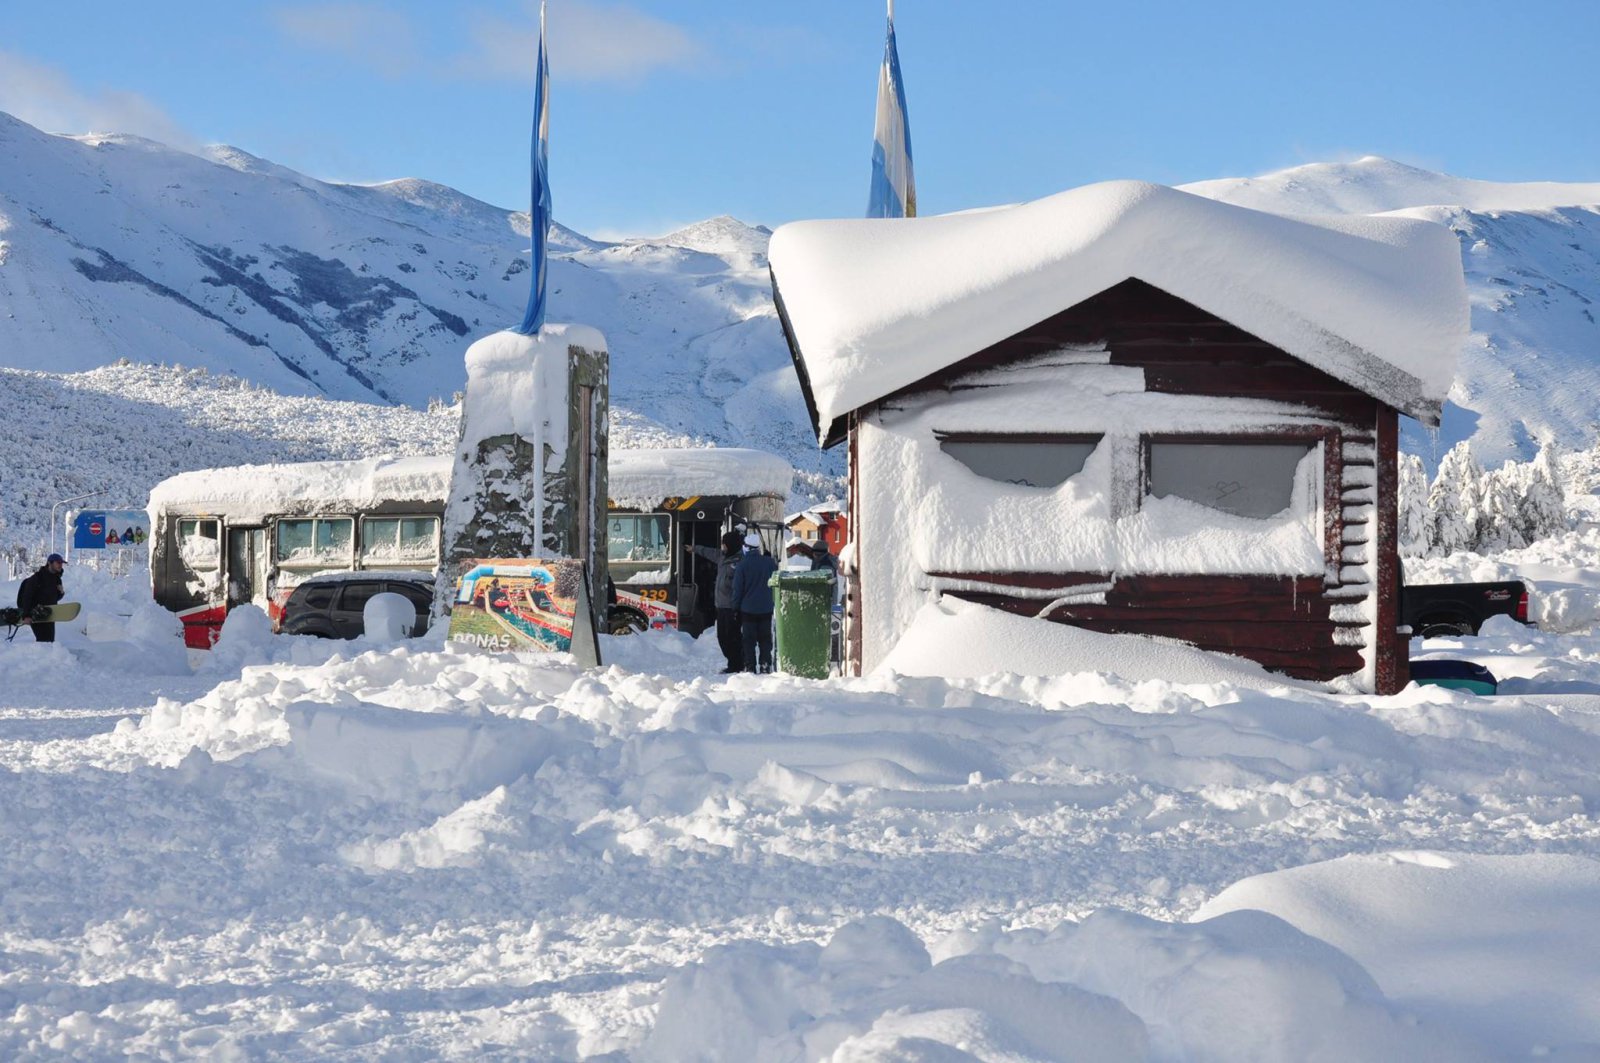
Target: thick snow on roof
[[641, 478], [245, 491], [1378, 302]]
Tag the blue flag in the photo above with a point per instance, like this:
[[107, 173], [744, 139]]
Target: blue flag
[[539, 212], [894, 189]]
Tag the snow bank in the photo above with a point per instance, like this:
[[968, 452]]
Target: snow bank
[[640, 479], [873, 993], [955, 639], [1501, 948], [875, 305], [1117, 986]]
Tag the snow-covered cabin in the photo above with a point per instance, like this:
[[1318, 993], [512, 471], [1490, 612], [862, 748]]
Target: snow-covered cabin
[[1130, 409]]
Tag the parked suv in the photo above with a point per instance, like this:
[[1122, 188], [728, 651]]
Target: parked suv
[[330, 605]]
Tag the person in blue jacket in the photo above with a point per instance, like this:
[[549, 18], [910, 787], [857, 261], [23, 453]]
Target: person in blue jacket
[[753, 598]]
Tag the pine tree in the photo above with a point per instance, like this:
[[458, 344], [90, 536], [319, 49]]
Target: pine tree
[[1454, 501], [1544, 502], [1414, 526]]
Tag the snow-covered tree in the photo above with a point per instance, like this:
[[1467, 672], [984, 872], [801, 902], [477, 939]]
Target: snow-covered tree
[[1499, 523], [1454, 501], [1414, 526], [1544, 501]]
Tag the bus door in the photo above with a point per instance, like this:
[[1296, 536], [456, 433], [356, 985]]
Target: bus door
[[697, 576], [247, 566]]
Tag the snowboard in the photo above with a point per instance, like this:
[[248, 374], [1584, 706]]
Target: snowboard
[[44, 614]]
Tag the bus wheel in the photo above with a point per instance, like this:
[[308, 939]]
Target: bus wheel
[[626, 620]]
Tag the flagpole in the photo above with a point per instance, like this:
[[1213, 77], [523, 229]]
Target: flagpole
[[539, 208]]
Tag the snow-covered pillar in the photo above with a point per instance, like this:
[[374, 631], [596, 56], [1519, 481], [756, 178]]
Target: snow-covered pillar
[[529, 478]]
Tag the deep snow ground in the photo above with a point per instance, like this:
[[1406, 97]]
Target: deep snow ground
[[318, 850]]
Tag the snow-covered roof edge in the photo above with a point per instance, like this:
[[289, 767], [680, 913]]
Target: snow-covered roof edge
[[871, 306], [648, 476], [246, 490]]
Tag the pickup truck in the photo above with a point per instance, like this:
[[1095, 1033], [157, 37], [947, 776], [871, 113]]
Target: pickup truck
[[1432, 609]]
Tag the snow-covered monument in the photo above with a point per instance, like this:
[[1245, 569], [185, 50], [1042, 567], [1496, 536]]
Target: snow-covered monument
[[529, 475], [1128, 409]]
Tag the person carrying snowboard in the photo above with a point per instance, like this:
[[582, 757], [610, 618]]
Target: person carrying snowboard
[[42, 588]]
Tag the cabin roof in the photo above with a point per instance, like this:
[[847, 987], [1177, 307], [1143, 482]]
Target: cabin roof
[[875, 305]]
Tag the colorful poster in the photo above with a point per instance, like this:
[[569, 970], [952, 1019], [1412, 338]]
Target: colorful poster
[[110, 529], [525, 605]]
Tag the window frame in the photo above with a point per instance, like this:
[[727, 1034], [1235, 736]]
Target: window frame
[[669, 561], [281, 562], [399, 518], [1093, 439], [1329, 438], [216, 564]]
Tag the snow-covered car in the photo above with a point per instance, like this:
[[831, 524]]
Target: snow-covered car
[[330, 605]]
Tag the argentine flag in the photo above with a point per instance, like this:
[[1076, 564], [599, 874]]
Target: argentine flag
[[539, 212], [894, 189]]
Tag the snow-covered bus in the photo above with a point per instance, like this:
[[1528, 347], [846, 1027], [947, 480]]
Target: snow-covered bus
[[226, 537], [663, 501], [250, 534]]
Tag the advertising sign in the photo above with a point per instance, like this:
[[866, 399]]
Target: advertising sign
[[525, 605], [110, 529]]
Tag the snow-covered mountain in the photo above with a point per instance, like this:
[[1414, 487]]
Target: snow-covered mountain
[[1532, 257], [115, 247]]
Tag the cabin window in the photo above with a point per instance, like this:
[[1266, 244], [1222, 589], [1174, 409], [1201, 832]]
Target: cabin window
[[200, 544], [1247, 479], [1025, 460], [399, 542], [639, 547], [315, 542]]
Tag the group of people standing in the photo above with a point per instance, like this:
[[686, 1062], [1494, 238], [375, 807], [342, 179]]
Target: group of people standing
[[744, 597]]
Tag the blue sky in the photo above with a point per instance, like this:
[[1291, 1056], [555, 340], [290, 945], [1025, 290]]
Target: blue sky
[[668, 112]]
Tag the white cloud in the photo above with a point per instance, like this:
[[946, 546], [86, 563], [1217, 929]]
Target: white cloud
[[593, 42], [44, 97], [377, 37]]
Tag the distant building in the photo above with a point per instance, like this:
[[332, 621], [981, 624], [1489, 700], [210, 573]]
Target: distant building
[[828, 521], [1128, 409]]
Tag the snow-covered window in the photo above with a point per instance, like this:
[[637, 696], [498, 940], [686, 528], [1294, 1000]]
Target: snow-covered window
[[399, 542], [316, 542], [639, 547], [1247, 478], [200, 544], [1029, 460]]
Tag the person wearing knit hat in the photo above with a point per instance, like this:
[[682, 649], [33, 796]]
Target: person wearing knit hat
[[753, 598], [42, 588]]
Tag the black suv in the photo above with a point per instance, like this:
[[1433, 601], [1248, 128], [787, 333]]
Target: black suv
[[330, 605]]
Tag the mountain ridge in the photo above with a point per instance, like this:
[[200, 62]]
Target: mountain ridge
[[118, 247]]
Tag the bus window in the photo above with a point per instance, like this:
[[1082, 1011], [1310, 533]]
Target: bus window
[[315, 542], [199, 544], [399, 542], [639, 547]]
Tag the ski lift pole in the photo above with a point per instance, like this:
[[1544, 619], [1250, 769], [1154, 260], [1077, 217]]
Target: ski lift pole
[[65, 502]]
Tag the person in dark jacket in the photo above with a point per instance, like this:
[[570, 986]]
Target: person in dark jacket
[[727, 561], [753, 598], [42, 588]]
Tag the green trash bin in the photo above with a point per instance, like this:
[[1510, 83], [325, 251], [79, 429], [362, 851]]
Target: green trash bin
[[803, 612]]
